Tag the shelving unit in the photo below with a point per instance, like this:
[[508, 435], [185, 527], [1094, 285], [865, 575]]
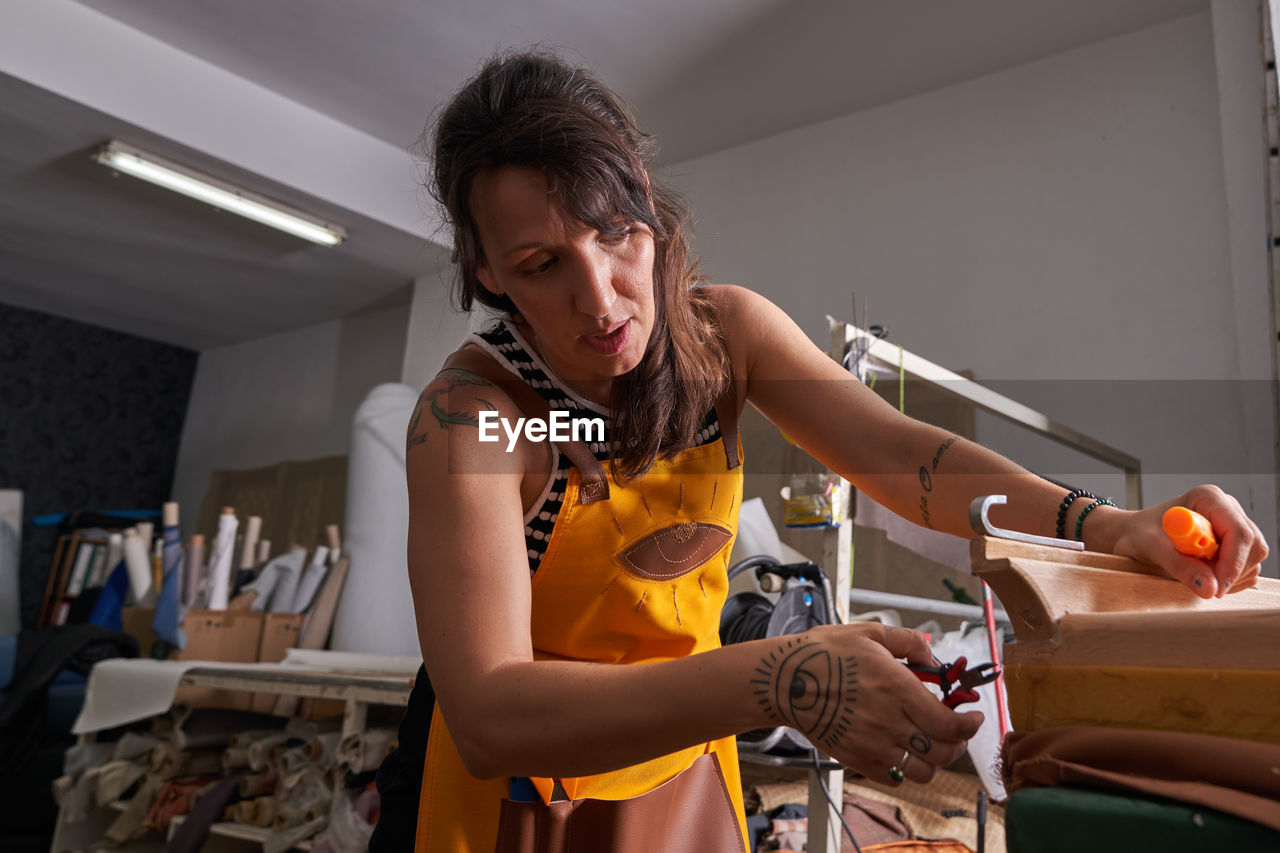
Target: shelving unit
[[65, 556], [357, 690]]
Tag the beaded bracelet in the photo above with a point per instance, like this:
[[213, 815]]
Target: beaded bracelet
[[1080, 521], [1066, 504]]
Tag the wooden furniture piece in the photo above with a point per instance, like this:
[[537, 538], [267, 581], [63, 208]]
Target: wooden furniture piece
[[59, 590], [1104, 640]]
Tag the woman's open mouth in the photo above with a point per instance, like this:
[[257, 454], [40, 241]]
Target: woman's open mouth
[[611, 342]]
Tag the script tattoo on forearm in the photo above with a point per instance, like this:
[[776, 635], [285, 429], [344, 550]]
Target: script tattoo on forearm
[[804, 686], [430, 400], [926, 480]]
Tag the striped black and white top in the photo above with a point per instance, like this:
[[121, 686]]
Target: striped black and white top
[[505, 343]]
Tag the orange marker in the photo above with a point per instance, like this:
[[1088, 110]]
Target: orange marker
[[1190, 532]]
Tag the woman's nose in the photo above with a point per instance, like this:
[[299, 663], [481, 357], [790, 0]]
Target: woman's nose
[[595, 293]]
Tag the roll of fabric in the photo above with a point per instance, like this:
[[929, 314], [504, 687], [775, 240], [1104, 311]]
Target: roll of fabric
[[220, 560], [116, 777], [294, 759], [286, 587], [195, 575], [133, 745], [258, 784], [167, 761], [115, 553], [75, 795], [324, 748], [241, 812], [138, 564], [129, 824], [311, 579], [249, 548], [361, 752], [175, 798], [235, 758], [168, 619], [262, 751], [300, 795], [376, 525], [265, 814], [277, 580]]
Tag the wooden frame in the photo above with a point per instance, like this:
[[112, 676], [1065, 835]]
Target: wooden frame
[[1104, 640]]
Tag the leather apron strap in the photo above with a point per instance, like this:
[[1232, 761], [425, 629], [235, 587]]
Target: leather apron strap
[[727, 408]]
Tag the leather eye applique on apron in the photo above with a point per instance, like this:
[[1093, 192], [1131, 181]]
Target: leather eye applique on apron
[[675, 550]]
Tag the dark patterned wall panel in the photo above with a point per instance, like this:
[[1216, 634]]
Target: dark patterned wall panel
[[90, 419]]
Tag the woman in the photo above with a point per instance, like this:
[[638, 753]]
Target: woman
[[538, 566]]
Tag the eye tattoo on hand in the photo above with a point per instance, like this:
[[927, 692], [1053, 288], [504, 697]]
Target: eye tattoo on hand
[[804, 686]]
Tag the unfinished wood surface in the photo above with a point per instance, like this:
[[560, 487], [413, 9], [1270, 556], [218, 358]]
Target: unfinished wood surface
[[1230, 703], [1106, 641], [1038, 593], [1206, 639], [990, 548]]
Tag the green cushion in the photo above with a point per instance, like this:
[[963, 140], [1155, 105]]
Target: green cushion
[[1049, 820]]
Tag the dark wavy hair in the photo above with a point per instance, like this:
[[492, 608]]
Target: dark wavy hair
[[530, 108]]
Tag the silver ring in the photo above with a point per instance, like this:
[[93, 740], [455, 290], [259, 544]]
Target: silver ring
[[896, 771], [605, 316]]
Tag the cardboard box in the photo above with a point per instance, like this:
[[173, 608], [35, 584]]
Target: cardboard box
[[224, 636], [136, 622], [279, 634]]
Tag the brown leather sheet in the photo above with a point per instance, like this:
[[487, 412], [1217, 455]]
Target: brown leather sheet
[[1238, 777]]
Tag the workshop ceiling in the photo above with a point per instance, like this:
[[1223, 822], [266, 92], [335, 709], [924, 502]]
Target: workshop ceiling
[[703, 75]]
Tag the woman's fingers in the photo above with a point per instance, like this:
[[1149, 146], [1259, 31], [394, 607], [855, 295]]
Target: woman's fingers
[[915, 755], [909, 766], [905, 643], [1196, 575], [1241, 545], [879, 713], [1253, 563]]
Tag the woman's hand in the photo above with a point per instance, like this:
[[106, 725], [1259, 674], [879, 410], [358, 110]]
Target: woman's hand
[[844, 689], [1242, 547]]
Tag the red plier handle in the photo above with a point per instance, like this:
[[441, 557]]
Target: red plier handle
[[956, 680]]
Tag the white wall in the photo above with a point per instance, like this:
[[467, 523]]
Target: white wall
[[288, 396], [435, 328], [1059, 228]]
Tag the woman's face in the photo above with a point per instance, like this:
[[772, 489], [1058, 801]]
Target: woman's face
[[565, 277]]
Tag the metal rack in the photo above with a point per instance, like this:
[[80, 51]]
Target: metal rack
[[824, 823]]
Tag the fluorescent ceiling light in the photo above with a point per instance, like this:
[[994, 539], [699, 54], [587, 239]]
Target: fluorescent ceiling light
[[180, 179]]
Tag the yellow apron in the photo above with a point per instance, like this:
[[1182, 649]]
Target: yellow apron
[[633, 574]]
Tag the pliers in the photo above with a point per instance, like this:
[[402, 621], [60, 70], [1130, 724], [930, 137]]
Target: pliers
[[957, 682]]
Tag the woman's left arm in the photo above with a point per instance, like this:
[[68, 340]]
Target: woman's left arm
[[929, 476]]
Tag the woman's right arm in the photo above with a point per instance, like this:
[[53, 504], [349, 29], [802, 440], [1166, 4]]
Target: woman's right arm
[[513, 716]]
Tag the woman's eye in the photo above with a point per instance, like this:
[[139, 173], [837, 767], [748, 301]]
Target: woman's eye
[[541, 268], [618, 236]]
